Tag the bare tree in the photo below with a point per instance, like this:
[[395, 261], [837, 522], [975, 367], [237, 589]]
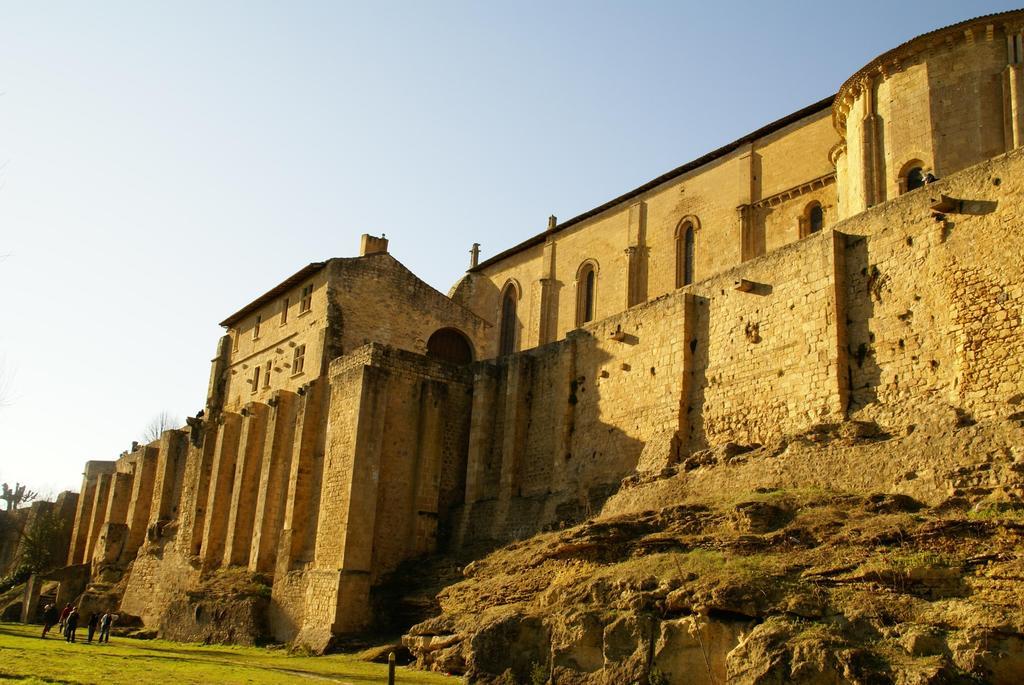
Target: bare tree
[[155, 428], [16, 496]]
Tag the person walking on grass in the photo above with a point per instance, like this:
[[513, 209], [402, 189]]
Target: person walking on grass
[[71, 625], [105, 622], [50, 617], [64, 617], [94, 620]]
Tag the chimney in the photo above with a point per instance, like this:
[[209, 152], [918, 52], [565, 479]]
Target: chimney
[[474, 256], [552, 222], [369, 244]]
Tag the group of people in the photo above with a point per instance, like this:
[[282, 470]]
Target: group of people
[[69, 618]]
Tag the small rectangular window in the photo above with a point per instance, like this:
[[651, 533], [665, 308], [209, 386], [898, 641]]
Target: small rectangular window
[[266, 375], [255, 379], [234, 340], [298, 361], [307, 298], [256, 327], [284, 311]]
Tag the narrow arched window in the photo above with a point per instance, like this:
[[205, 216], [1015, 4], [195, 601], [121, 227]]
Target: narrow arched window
[[586, 292], [507, 335], [815, 218], [686, 250], [588, 297], [812, 220], [688, 255]]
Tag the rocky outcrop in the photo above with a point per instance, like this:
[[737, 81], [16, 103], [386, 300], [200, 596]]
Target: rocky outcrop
[[220, 606], [227, 606], [216, 620], [678, 582]]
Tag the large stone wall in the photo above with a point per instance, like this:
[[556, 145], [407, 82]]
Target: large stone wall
[[553, 429], [92, 478], [297, 541], [393, 467], [320, 494], [936, 303], [893, 310], [556, 428], [768, 358]]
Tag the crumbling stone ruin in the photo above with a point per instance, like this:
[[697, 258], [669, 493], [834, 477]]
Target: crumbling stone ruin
[[34, 540], [16, 524], [822, 303]]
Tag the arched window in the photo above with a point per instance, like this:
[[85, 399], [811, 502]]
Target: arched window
[[684, 254], [912, 176], [586, 293], [815, 218], [812, 220], [450, 345], [509, 321]]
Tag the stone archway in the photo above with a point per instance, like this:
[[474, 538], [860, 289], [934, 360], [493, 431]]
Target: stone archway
[[450, 345]]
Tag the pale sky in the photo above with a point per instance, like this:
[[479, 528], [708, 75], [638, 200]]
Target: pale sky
[[163, 164]]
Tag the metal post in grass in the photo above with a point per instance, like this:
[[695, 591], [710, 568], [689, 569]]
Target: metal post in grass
[[391, 668]]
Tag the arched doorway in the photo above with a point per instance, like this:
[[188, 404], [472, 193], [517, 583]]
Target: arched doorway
[[450, 345]]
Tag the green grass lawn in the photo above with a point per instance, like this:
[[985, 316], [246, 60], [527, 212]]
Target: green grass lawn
[[26, 658]]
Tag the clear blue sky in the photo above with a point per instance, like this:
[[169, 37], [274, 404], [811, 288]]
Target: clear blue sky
[[162, 164]]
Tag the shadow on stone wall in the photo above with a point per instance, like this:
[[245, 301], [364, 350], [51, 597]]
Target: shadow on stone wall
[[863, 284], [546, 461], [545, 457], [698, 381]]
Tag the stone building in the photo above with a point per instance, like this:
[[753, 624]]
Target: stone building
[[858, 257]]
